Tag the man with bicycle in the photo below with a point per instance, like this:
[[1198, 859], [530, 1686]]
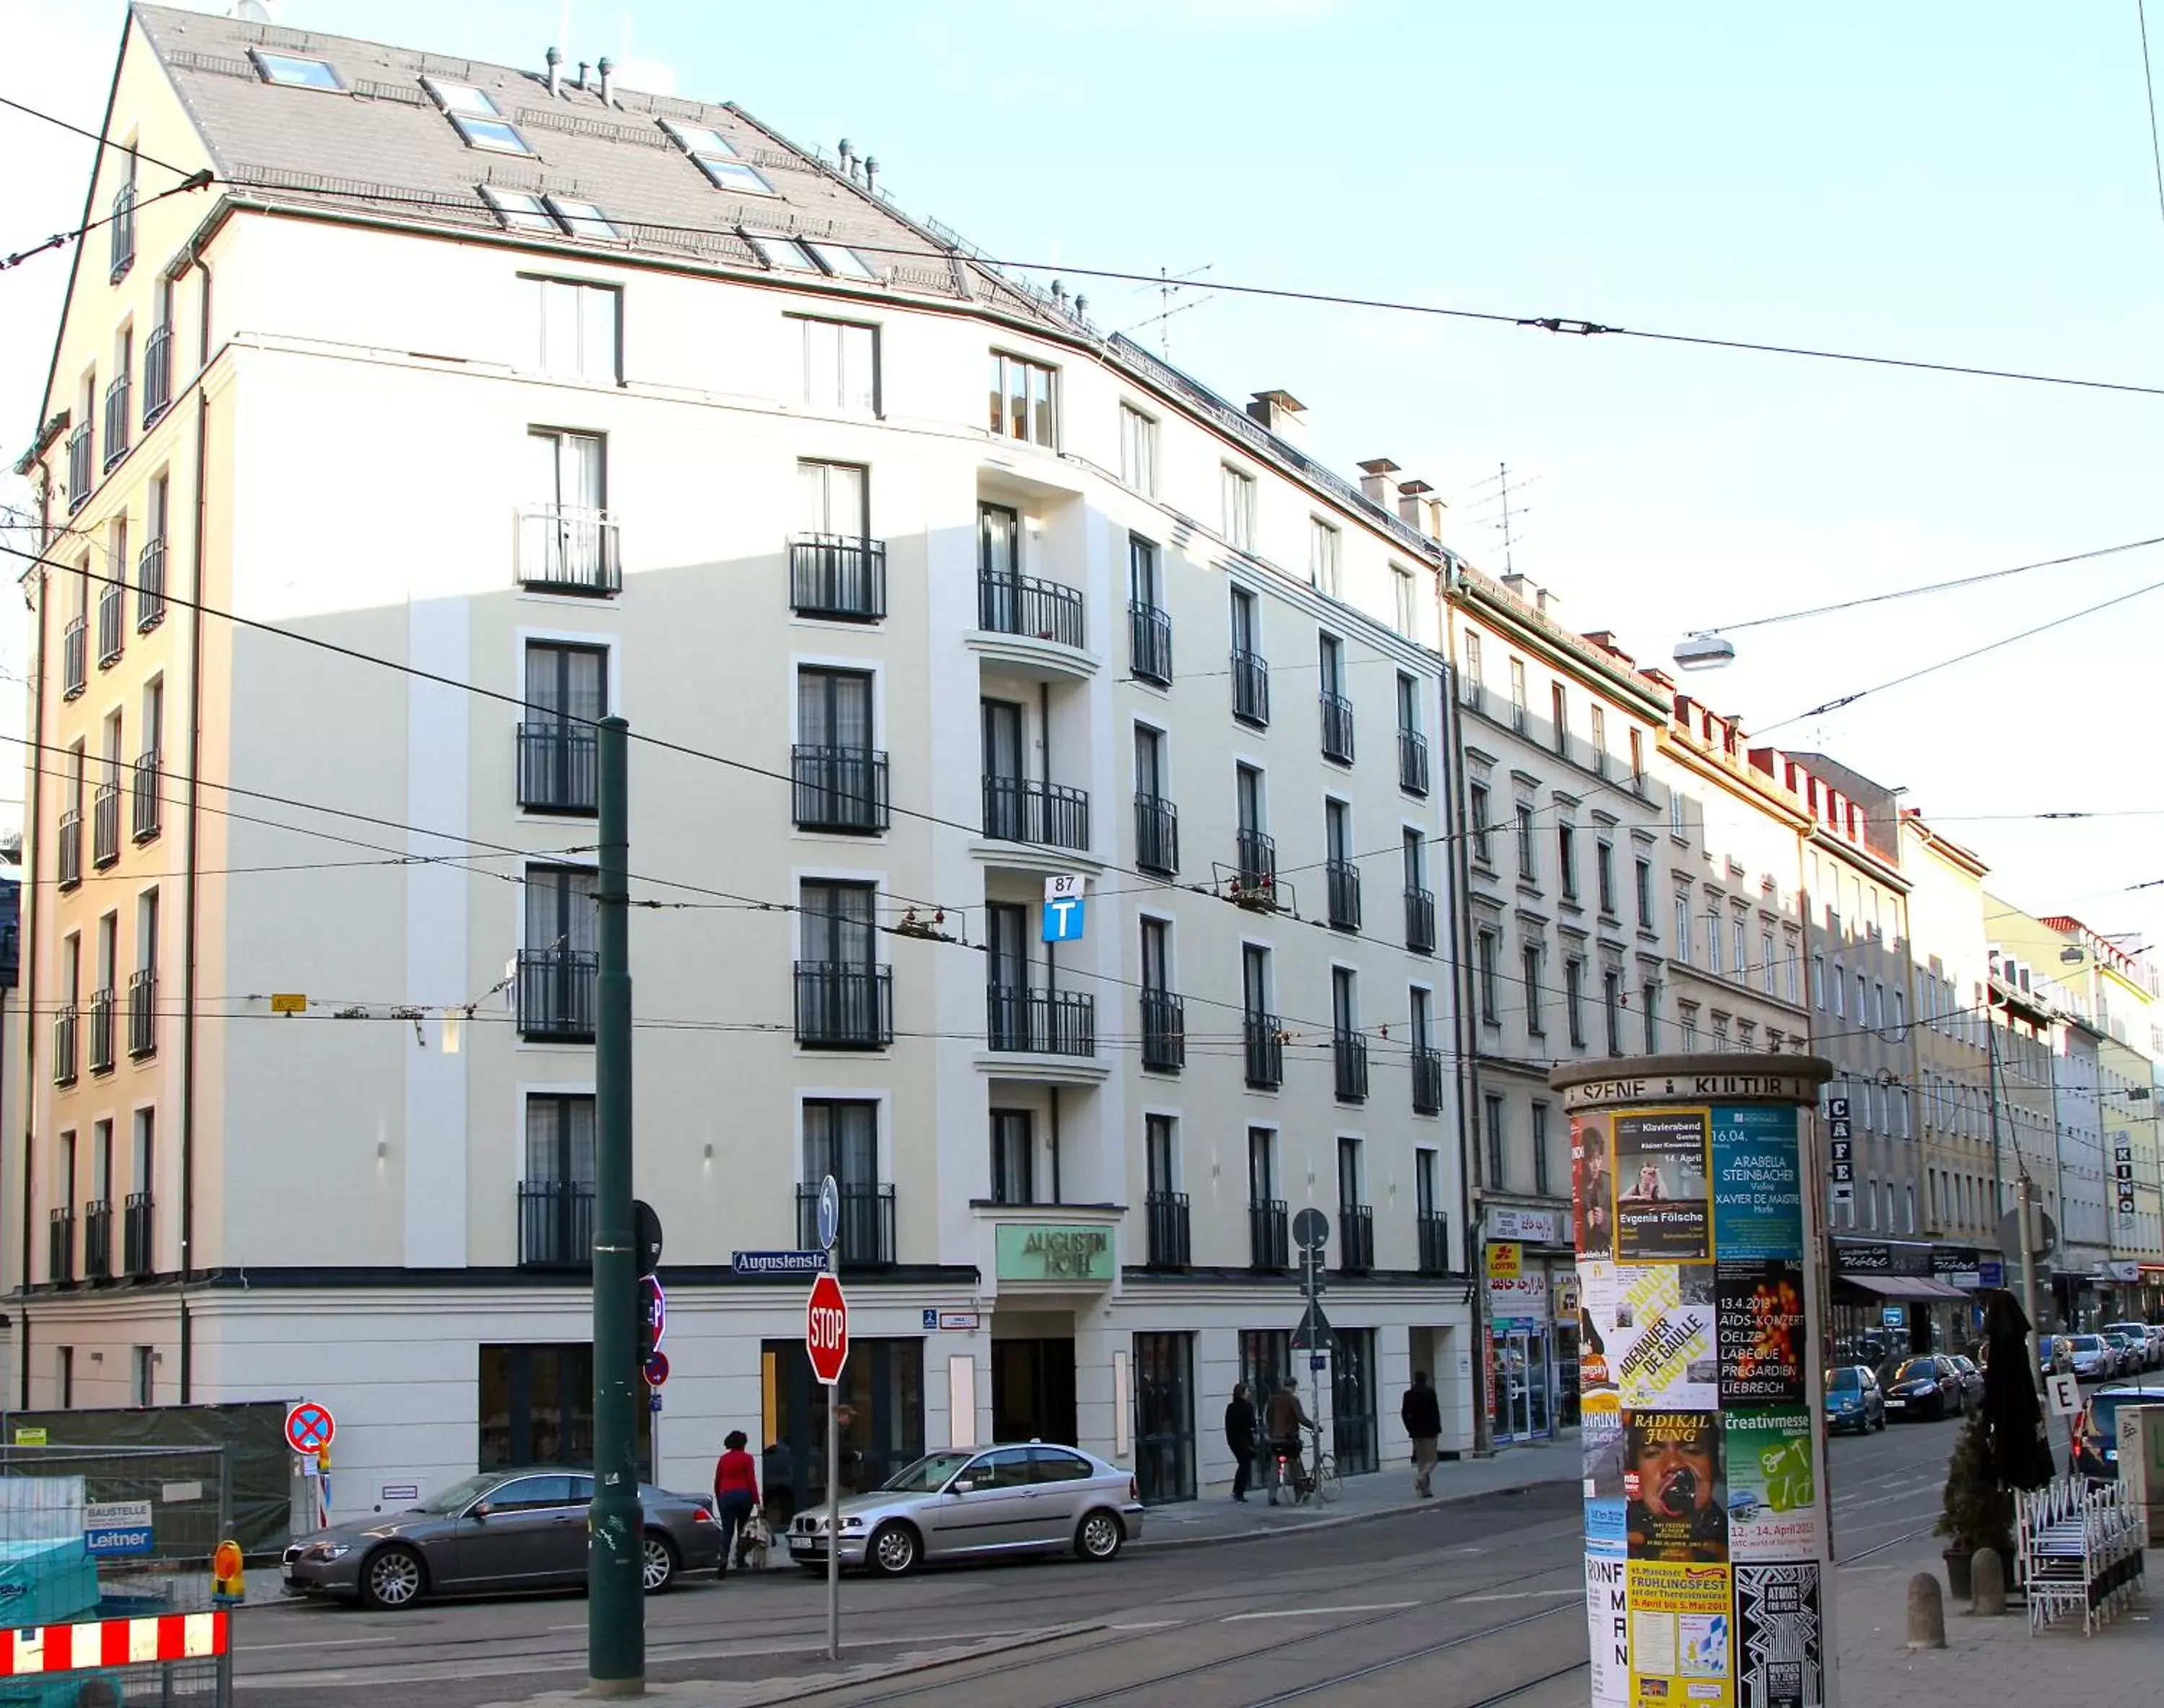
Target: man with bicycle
[[1284, 1417]]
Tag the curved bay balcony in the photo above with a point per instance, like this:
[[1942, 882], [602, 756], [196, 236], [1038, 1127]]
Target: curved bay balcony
[[1035, 628]]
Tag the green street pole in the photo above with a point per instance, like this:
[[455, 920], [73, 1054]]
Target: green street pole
[[615, 1609]]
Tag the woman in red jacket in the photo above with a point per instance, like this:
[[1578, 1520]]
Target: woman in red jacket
[[736, 1492]]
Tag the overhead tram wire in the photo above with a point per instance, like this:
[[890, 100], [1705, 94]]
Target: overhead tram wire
[[93, 136], [61, 240]]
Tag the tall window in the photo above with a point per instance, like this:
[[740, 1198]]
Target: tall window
[[1644, 882], [1137, 451], [560, 1141], [1559, 713], [1143, 591], [1839, 992], [1638, 758], [834, 499], [566, 694], [1611, 1003], [1156, 956], [1161, 1152], [1491, 999], [1323, 541], [1650, 999], [842, 367], [1736, 941], [577, 327], [1492, 1121], [1471, 685], [1535, 1009], [1567, 859], [1818, 982], [1574, 999], [837, 931], [1712, 939], [1529, 859], [1022, 400], [1766, 961], [1518, 707], [1408, 600], [1540, 1137], [1603, 861], [1236, 492], [1262, 1165], [1682, 927], [1351, 1193], [1476, 810], [1014, 1156], [841, 1138], [1600, 715]]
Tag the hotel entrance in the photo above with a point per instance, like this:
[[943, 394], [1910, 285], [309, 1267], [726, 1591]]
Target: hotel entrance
[[1034, 1389]]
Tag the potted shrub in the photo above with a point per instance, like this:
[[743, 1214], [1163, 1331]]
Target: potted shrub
[[1976, 1513]]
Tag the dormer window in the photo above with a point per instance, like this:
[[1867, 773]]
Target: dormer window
[[495, 134], [292, 72], [462, 98]]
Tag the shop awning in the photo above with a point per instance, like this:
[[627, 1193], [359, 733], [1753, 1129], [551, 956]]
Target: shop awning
[[1903, 1287]]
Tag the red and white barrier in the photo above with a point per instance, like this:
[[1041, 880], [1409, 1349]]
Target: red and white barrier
[[114, 1642]]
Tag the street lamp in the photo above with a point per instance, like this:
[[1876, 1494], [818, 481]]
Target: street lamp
[[1705, 652]]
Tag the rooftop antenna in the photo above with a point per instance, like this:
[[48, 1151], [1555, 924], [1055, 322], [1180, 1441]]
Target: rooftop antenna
[[1503, 481]]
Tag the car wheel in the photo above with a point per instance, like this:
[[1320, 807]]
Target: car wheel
[[393, 1578], [894, 1551], [657, 1564], [1099, 1537]]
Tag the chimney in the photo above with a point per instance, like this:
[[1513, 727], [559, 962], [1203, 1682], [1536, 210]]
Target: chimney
[[608, 77], [582, 75], [1520, 588], [871, 173], [1419, 508], [555, 76], [849, 160], [1282, 414], [1549, 602], [1375, 483]]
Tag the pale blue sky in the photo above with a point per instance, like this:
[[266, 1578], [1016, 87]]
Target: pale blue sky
[[1963, 182]]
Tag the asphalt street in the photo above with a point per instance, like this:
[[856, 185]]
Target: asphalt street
[[1463, 1605]]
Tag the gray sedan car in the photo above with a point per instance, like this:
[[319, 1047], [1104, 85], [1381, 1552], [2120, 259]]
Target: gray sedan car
[[1028, 1497], [502, 1530]]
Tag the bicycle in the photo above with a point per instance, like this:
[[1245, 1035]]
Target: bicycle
[[1319, 1482]]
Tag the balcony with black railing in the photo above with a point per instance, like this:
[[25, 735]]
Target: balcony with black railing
[[75, 657], [1257, 860], [866, 1229], [143, 1012], [1342, 883], [1035, 609], [121, 223], [71, 849], [10, 955], [79, 470], [839, 789], [559, 767], [1356, 1238], [1349, 1052], [112, 623], [64, 1024], [844, 1005], [1434, 1232], [1250, 688], [1149, 644], [146, 797], [1156, 834], [105, 825], [569, 549], [97, 1240], [103, 1005], [1269, 1244], [1164, 1032], [1412, 762], [1264, 1041], [1049, 815], [157, 374], [60, 1246], [556, 994], [837, 576], [118, 396], [1419, 921], [1040, 1023], [138, 1236], [1428, 1081], [1165, 1220], [555, 1224], [1337, 728], [150, 584]]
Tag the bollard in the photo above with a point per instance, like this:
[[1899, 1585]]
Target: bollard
[[1927, 1613], [1987, 1579]]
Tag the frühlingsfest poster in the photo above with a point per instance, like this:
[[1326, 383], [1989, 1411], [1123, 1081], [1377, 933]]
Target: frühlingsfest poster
[[1663, 1191], [1680, 1653]]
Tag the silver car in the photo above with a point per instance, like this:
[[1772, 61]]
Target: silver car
[[1024, 1498]]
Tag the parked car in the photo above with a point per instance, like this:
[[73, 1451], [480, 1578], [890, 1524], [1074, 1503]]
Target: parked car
[[1024, 1498], [1853, 1400], [2142, 1337], [2133, 1350], [2093, 1356], [1972, 1380], [2095, 1453], [2055, 1354], [1926, 1385], [502, 1530]]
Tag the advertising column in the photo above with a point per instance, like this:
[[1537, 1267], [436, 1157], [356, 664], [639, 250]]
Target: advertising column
[[1708, 1563]]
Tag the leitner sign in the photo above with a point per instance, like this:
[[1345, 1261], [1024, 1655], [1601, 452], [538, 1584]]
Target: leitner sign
[[1047, 1254]]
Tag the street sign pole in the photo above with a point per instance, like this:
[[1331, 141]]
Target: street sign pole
[[616, 1611], [831, 1231], [2025, 1206]]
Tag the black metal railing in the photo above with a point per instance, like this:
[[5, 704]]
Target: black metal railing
[[1041, 1023], [145, 798], [97, 1239], [102, 1006], [75, 657], [1149, 643], [559, 767], [137, 1237], [556, 993], [1412, 762], [1356, 1238], [150, 584], [1165, 1216], [1344, 885], [568, 549], [555, 1224], [105, 825], [865, 1230], [1251, 687], [1428, 1081], [1337, 728], [1164, 1032], [838, 575], [157, 374], [10, 955], [844, 1005], [839, 788], [143, 1012], [1156, 834], [1259, 858], [112, 621], [1023, 605], [70, 849], [60, 1246], [64, 1040], [1269, 1246], [79, 475], [1264, 1040], [1419, 921], [1021, 809], [122, 223], [1349, 1052], [118, 395], [1434, 1231]]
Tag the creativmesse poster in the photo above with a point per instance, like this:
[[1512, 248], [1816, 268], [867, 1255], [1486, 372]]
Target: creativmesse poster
[[1663, 1193], [1773, 1485]]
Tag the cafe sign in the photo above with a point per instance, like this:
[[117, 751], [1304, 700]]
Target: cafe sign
[[1043, 1251]]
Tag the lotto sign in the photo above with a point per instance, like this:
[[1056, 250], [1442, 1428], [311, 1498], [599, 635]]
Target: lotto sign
[[827, 1329]]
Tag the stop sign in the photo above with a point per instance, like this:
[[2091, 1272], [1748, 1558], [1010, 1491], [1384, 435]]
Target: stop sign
[[827, 1329]]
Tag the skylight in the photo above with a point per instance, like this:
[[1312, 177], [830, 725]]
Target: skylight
[[518, 211], [462, 98], [784, 252], [843, 263], [580, 218], [291, 72], [733, 174], [695, 139], [491, 134]]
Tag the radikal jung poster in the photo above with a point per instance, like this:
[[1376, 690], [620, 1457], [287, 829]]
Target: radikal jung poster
[[1663, 1191], [1674, 1489]]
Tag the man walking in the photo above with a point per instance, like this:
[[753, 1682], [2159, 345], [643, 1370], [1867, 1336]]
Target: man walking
[[1284, 1418], [1240, 1438], [1421, 1414]]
